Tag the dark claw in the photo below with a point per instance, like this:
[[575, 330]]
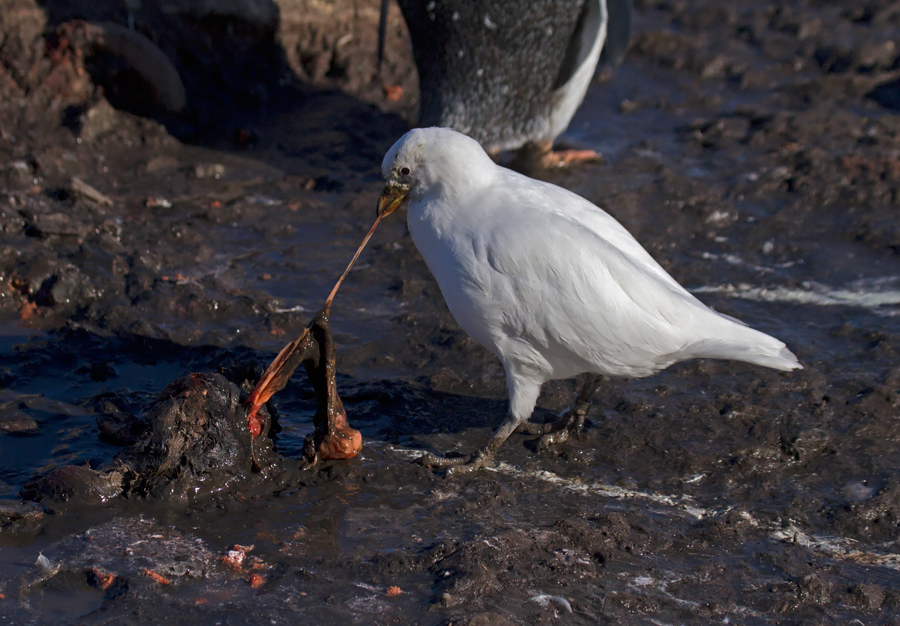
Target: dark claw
[[552, 439], [433, 460], [559, 431], [530, 428], [571, 422], [457, 465]]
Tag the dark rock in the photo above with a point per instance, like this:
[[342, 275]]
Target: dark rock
[[16, 514], [12, 420], [68, 288], [195, 433], [198, 433], [58, 224], [867, 596], [75, 484], [814, 589], [99, 119], [121, 429]]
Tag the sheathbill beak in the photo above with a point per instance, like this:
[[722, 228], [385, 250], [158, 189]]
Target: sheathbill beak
[[391, 198]]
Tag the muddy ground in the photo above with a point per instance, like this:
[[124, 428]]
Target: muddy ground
[[754, 150]]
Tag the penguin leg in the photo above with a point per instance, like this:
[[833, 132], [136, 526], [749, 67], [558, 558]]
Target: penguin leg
[[571, 422]]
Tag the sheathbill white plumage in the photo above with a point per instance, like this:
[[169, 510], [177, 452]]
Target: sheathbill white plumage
[[547, 281]]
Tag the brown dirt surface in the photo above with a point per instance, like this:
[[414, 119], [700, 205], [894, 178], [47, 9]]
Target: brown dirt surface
[[753, 149]]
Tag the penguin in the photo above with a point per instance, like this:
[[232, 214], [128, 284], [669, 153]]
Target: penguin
[[511, 73]]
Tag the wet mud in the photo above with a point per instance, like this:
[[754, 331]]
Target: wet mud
[[752, 149]]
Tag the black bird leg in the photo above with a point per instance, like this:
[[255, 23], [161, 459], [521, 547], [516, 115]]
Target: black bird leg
[[558, 431], [569, 423], [474, 462]]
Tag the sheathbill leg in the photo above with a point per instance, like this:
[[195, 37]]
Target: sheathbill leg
[[571, 422], [523, 395]]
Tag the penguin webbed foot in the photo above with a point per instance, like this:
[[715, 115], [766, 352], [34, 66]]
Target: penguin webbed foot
[[567, 158], [539, 155]]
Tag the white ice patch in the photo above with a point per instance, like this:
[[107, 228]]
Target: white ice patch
[[837, 547], [46, 565], [266, 200], [369, 604], [873, 294], [682, 502], [547, 601], [293, 309], [840, 548]]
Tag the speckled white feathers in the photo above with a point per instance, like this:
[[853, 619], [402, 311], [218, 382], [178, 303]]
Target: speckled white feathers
[[549, 282]]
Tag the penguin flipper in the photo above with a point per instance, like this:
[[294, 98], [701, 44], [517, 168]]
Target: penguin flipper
[[590, 25], [382, 31], [618, 33]]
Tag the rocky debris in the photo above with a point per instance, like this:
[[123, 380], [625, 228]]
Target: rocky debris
[[334, 44], [97, 120], [127, 555], [12, 420], [15, 515], [766, 165], [194, 434], [82, 189]]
